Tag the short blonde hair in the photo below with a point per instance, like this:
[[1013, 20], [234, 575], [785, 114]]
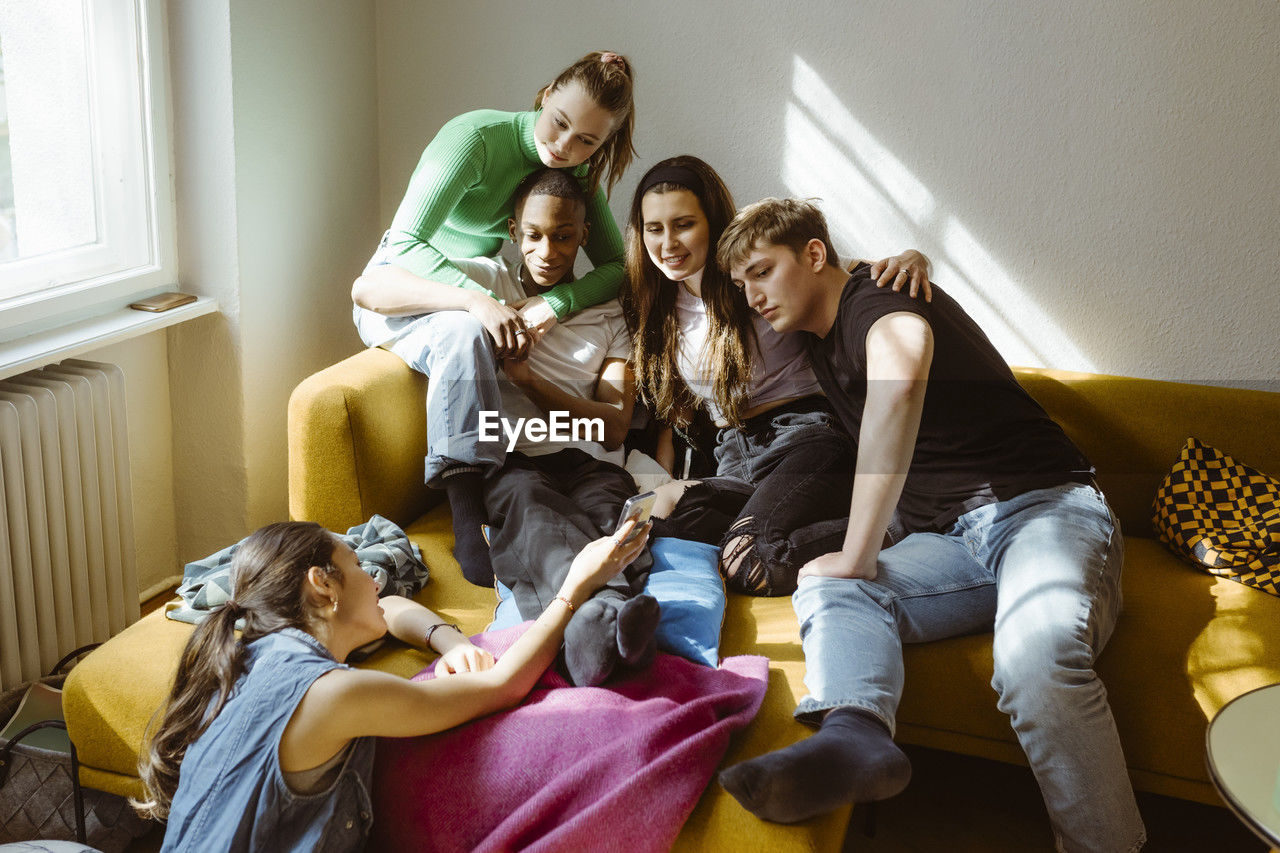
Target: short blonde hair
[[774, 222]]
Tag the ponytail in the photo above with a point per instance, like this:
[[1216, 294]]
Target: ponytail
[[608, 78], [268, 572], [211, 662]]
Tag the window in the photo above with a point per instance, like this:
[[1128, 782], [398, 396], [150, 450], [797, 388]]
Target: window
[[86, 217]]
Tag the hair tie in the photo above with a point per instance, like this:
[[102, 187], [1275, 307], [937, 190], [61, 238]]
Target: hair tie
[[682, 175], [234, 608], [608, 57]]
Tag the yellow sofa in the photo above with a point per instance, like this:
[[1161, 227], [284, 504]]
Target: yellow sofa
[[1186, 643]]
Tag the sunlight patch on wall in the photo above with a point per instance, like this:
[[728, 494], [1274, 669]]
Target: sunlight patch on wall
[[871, 197]]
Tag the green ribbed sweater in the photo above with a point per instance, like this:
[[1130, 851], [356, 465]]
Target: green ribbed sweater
[[459, 200]]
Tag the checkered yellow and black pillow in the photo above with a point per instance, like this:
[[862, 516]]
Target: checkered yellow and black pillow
[[1222, 515]]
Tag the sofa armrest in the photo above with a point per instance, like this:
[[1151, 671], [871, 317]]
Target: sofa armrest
[[357, 443]]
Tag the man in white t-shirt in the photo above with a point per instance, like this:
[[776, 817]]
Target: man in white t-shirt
[[565, 410]]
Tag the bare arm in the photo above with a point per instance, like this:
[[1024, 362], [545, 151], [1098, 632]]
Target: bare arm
[[347, 703], [899, 352], [665, 452], [410, 622], [614, 399]]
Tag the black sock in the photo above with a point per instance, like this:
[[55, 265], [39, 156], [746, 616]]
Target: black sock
[[466, 500], [851, 759]]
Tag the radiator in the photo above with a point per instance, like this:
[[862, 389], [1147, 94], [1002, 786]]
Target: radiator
[[68, 573]]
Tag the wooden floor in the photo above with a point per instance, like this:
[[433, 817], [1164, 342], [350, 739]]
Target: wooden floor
[[969, 805]]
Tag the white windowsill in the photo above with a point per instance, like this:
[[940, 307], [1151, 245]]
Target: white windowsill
[[78, 338]]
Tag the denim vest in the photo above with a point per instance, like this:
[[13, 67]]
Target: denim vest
[[231, 794]]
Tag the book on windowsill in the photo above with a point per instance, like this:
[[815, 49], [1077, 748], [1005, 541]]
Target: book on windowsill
[[41, 702]]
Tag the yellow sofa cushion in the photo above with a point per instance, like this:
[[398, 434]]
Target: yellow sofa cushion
[[357, 443]]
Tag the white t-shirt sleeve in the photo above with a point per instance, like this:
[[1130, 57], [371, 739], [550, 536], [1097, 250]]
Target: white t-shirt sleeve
[[491, 273], [620, 340]]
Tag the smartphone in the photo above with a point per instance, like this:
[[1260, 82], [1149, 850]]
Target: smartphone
[[638, 507]]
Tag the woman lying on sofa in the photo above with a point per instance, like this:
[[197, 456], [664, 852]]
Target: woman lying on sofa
[[266, 742]]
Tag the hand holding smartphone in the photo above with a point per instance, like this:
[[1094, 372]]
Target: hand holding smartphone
[[639, 508]]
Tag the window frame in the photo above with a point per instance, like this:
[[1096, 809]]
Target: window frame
[[132, 143]]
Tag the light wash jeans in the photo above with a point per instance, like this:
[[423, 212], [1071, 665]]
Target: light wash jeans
[[455, 351], [1044, 567]]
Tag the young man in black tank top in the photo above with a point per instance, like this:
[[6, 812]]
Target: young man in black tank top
[[1004, 525]]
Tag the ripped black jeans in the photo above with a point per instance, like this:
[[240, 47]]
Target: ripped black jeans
[[780, 496]]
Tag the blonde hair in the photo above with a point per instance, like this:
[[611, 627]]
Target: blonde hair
[[608, 78], [786, 222], [649, 298]]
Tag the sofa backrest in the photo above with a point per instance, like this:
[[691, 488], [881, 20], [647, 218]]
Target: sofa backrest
[[358, 436], [358, 443], [1134, 429]]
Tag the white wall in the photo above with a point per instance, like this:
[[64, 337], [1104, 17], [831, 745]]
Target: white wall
[[1095, 181], [306, 181], [1091, 180], [276, 173], [147, 407]]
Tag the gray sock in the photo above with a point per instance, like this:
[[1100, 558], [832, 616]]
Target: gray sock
[[590, 642], [637, 624]]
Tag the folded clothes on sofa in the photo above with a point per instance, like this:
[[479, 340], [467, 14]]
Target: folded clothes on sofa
[[571, 768], [383, 549]]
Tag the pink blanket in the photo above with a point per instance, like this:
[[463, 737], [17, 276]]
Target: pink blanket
[[571, 768]]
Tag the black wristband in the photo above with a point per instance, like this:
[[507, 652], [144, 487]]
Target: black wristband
[[433, 628]]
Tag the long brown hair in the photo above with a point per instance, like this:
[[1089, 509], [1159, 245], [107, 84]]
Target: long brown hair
[[608, 78], [268, 573], [649, 304]]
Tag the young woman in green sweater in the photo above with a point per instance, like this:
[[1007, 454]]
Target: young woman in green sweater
[[413, 301]]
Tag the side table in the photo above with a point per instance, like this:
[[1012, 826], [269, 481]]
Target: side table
[[1242, 749]]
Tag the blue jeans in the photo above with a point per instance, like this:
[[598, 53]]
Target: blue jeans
[[455, 351], [1044, 568]]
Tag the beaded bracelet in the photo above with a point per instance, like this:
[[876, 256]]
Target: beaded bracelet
[[567, 603], [433, 628]]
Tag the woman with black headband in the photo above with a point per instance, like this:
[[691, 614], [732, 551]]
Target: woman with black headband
[[783, 464]]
